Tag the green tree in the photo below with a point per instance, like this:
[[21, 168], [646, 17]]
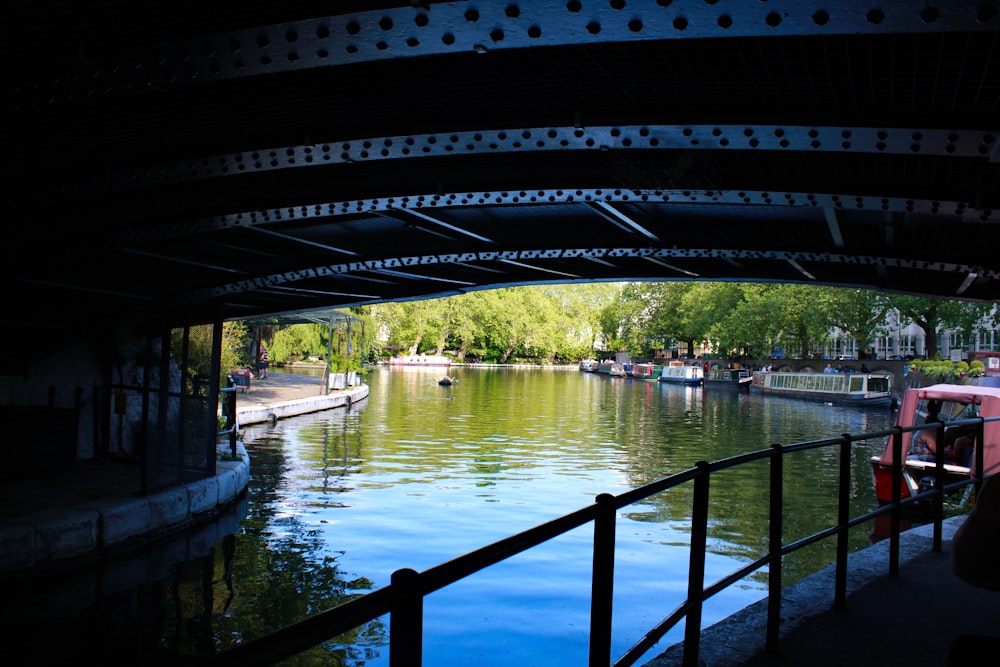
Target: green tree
[[666, 321], [701, 307], [859, 312], [298, 341], [806, 325], [235, 337], [755, 324], [932, 315]]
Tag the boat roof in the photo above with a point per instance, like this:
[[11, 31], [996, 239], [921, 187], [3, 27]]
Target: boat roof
[[986, 398], [960, 393]]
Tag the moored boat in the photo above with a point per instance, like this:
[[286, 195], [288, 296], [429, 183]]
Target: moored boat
[[964, 443], [647, 371], [679, 372], [858, 389], [737, 379], [589, 365], [612, 368], [426, 360]]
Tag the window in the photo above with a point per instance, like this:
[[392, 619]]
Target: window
[[988, 340]]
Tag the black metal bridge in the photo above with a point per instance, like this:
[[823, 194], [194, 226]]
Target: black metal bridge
[[176, 162]]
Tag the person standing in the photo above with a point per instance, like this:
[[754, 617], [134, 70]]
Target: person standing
[[263, 361]]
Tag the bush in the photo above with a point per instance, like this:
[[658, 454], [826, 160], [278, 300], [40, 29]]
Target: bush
[[937, 370]]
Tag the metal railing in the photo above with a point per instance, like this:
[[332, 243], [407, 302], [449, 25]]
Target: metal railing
[[403, 598], [227, 399]]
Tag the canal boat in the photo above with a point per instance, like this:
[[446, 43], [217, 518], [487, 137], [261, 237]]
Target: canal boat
[[681, 373], [855, 389], [588, 365], [611, 367], [423, 360], [735, 379], [953, 403], [650, 372]]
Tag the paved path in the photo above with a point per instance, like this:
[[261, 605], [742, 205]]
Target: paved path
[[912, 619], [279, 386], [282, 395]]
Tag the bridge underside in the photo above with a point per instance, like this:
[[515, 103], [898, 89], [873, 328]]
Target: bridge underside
[[175, 162]]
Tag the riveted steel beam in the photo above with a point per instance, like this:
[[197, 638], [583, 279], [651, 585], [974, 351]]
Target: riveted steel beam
[[956, 143], [476, 27]]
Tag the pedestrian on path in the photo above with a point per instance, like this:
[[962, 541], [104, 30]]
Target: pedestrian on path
[[263, 361]]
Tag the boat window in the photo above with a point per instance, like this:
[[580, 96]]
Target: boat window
[[878, 384], [857, 383]]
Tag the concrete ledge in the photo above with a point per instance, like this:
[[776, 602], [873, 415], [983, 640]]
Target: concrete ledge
[[203, 495], [122, 518], [267, 412], [50, 536], [63, 534], [168, 507]]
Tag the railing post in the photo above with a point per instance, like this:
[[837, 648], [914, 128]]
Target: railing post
[[843, 519], [232, 423], [775, 537], [696, 566], [938, 513], [406, 620], [602, 582], [977, 453], [896, 513]]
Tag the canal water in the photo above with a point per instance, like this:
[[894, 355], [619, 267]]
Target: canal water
[[420, 473]]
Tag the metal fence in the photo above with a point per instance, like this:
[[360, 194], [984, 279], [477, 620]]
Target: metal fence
[[403, 598]]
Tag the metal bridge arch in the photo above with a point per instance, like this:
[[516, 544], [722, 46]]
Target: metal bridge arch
[[177, 163]]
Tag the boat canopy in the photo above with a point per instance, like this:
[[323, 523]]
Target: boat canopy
[[956, 400]]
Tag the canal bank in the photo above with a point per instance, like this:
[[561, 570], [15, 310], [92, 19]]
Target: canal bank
[[917, 618], [283, 395], [96, 508]]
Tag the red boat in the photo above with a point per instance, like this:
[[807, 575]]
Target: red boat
[[955, 403]]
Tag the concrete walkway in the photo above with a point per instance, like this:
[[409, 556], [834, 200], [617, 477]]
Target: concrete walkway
[[913, 619], [97, 507], [282, 395]]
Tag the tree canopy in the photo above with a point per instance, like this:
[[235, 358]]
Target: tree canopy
[[562, 323]]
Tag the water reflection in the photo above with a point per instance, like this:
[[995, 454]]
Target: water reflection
[[157, 604], [419, 474]]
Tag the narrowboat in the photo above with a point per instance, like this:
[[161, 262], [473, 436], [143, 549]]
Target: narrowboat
[[588, 365], [681, 373], [972, 405], [737, 379], [426, 360], [612, 368], [650, 372], [856, 389]]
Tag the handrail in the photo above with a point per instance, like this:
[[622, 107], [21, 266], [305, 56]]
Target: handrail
[[403, 598], [227, 397]]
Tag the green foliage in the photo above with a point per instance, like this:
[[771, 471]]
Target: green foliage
[[199, 349], [297, 342], [859, 313], [977, 369], [938, 370], [569, 322]]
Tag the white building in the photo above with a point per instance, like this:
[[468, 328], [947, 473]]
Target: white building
[[902, 339]]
